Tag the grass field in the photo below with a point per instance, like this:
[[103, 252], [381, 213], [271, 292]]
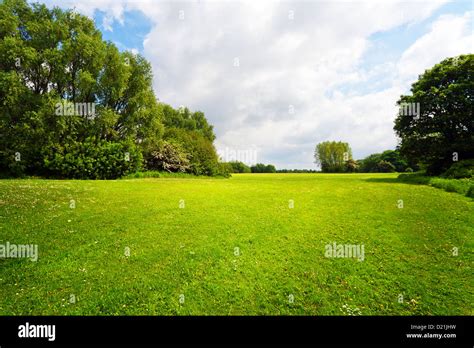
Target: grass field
[[236, 247]]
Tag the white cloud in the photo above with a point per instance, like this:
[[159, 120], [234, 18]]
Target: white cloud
[[449, 36], [303, 61]]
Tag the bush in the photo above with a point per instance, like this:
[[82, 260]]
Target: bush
[[224, 169], [369, 164], [460, 170], [202, 153], [93, 159], [450, 187], [408, 170], [351, 166], [470, 191], [462, 186], [385, 167], [170, 157], [239, 167]]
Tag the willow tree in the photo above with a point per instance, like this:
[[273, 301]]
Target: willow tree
[[332, 156]]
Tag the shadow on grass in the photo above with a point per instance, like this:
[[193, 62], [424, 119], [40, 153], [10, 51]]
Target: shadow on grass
[[463, 187], [418, 181], [385, 180]]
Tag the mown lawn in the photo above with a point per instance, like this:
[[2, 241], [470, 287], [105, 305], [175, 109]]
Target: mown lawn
[[236, 247]]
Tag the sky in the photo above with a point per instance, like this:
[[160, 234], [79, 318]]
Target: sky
[[277, 77]]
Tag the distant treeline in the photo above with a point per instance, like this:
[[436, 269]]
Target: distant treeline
[[240, 167], [297, 171], [336, 157]]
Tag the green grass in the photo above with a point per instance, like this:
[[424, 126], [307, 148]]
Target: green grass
[[158, 174], [191, 250], [463, 186]]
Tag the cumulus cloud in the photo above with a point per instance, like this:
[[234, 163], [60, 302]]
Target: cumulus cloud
[[277, 76]]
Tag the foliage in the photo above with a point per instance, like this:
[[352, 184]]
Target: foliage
[[224, 169], [331, 156], [385, 167], [394, 158], [239, 167], [444, 126], [262, 168], [203, 157], [184, 119], [462, 186], [459, 170], [351, 166], [169, 157], [51, 60], [470, 191], [297, 171], [93, 159], [369, 164]]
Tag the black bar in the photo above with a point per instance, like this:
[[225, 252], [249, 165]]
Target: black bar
[[241, 330]]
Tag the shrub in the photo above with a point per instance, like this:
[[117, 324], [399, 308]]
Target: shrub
[[239, 167], [351, 166], [450, 187], [93, 159], [369, 164], [470, 191], [462, 186], [459, 170], [385, 167], [203, 156], [224, 169], [170, 157]]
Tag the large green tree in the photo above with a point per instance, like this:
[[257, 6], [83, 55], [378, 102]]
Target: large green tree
[[51, 58], [443, 129], [332, 156], [185, 119]]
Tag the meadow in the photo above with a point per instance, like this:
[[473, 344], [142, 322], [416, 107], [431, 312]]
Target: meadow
[[253, 244]]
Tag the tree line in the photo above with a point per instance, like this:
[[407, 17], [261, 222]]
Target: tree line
[[240, 167], [74, 106], [435, 126]]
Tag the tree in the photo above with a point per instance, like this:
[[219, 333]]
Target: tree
[[351, 166], [239, 167], [331, 156], [56, 57], [442, 128], [184, 119], [51, 57], [262, 168], [394, 157], [270, 168], [202, 153], [385, 167]]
